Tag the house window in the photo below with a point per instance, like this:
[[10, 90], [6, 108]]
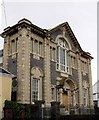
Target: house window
[[52, 53], [73, 62], [76, 97], [85, 96], [62, 55], [40, 48], [13, 48], [84, 67], [53, 94], [36, 46], [17, 44], [34, 89], [31, 45]]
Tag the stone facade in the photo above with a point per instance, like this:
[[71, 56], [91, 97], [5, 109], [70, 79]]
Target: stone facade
[[50, 65]]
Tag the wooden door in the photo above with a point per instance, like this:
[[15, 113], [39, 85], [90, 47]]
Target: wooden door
[[65, 99]]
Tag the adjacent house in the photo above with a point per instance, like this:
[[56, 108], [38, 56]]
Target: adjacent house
[[50, 65], [5, 88], [96, 93]]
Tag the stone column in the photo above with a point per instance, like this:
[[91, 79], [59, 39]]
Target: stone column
[[23, 67], [80, 90], [69, 63], [69, 99], [61, 98], [6, 51], [47, 78], [90, 84], [74, 99]]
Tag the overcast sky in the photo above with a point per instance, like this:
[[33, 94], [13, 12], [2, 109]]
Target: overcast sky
[[81, 16]]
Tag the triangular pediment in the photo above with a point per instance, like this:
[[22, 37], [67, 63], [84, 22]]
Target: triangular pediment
[[65, 30]]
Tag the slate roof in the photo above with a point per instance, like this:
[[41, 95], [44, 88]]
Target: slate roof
[[3, 71]]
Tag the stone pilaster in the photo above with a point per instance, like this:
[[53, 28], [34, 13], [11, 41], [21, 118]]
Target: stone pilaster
[[69, 99], [23, 67], [69, 64], [47, 79], [74, 98], [6, 52], [90, 84], [61, 98], [80, 100]]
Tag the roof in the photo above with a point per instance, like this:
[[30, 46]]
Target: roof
[[23, 23], [3, 71], [96, 83], [44, 32], [73, 38]]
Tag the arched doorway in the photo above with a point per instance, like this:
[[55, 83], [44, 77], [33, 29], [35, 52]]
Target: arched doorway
[[68, 94], [65, 94]]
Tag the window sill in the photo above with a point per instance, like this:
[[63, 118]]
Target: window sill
[[52, 60], [63, 73], [37, 54]]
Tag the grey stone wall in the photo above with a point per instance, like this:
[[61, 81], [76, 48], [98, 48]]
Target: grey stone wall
[[53, 73], [12, 65], [74, 75], [70, 41], [60, 32], [57, 32], [38, 63]]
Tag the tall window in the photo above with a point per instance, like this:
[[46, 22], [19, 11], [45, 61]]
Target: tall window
[[34, 89], [38, 47], [52, 53], [13, 47], [62, 55], [31, 45], [17, 44], [53, 93], [36, 50], [85, 96]]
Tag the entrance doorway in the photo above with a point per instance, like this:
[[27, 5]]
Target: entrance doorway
[[65, 99]]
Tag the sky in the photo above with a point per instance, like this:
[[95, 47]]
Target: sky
[[81, 16]]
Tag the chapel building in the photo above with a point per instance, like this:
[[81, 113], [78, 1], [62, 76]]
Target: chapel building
[[50, 65]]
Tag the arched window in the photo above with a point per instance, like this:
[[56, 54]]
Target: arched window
[[62, 55], [36, 84]]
